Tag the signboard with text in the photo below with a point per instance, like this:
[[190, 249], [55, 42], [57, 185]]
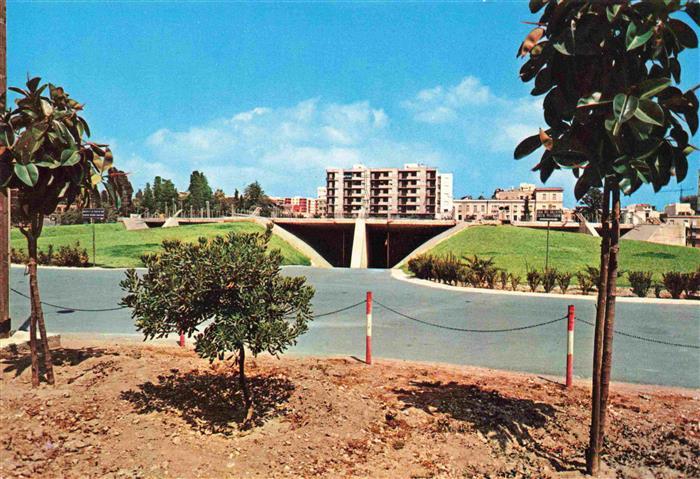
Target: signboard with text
[[93, 213], [549, 215]]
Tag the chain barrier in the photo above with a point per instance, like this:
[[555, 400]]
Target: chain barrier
[[66, 308], [329, 313], [466, 330], [642, 338], [411, 318]]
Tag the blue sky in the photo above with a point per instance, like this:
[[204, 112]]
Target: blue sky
[[277, 91]]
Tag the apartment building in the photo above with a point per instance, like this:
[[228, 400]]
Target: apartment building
[[297, 206], [415, 191], [515, 204]]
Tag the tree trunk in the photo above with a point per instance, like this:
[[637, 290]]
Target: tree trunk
[[247, 399], [37, 314], [593, 456], [609, 314]]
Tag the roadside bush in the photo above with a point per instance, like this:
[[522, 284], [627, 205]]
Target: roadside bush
[[68, 255], [692, 283], [448, 269], [564, 280], [46, 257], [584, 282], [71, 255], [421, 266], [483, 271], [17, 256], [514, 281], [549, 279], [640, 281], [675, 283], [593, 275], [503, 279], [657, 290], [533, 279]]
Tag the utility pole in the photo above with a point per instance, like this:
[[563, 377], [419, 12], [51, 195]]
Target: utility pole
[[4, 193]]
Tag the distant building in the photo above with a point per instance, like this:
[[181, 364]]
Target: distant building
[[321, 198], [415, 191], [516, 204], [640, 214], [678, 209], [297, 206]]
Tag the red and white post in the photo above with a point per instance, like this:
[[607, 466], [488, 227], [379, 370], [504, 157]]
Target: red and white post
[[182, 339], [368, 344], [570, 346]]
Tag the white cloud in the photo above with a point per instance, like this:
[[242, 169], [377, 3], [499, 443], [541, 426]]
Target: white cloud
[[285, 148], [442, 104]]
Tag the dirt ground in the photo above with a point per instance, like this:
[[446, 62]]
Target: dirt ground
[[130, 410]]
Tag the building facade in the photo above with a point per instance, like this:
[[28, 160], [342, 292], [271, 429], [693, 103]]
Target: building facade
[[516, 204], [297, 206], [414, 191]]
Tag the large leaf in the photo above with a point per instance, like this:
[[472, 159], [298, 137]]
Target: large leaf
[[536, 5], [73, 159], [592, 101], [680, 164], [653, 86], [612, 12], [650, 112], [624, 107], [636, 36], [527, 146], [692, 8], [27, 174], [686, 36]]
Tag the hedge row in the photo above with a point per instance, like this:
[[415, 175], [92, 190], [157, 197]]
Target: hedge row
[[483, 273], [70, 255]]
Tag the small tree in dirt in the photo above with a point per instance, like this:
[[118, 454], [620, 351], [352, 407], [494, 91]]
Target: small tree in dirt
[[44, 157], [614, 120], [234, 285]]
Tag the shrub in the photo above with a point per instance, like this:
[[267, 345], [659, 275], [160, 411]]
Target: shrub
[[228, 291], [657, 290], [503, 279], [18, 256], [549, 279], [490, 276], [46, 257], [447, 269], [564, 280], [421, 266], [675, 283], [593, 275], [483, 270], [640, 281], [584, 282], [71, 255], [533, 279], [514, 281], [692, 283]]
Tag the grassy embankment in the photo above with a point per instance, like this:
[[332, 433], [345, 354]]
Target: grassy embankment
[[119, 248], [514, 248]]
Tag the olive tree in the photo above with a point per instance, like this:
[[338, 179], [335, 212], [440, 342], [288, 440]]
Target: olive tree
[[45, 158], [227, 292], [615, 119]]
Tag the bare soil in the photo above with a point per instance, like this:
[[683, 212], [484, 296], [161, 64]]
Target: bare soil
[[131, 410]]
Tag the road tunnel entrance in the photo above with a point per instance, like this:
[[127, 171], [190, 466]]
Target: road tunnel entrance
[[388, 243], [333, 241]]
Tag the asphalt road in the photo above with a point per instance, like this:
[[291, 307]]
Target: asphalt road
[[539, 350]]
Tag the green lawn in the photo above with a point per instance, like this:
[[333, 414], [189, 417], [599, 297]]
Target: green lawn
[[513, 247], [119, 248]]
